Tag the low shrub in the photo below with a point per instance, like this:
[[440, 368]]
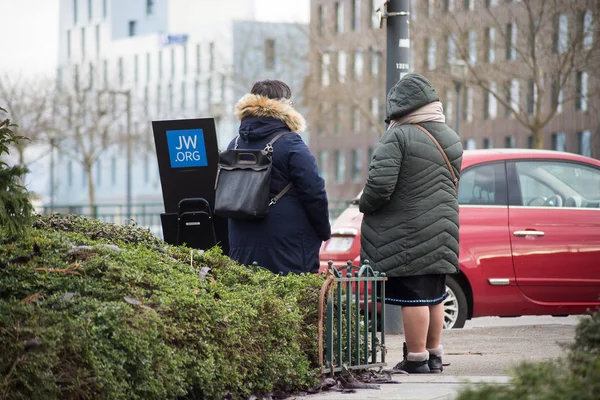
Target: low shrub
[[90, 310]]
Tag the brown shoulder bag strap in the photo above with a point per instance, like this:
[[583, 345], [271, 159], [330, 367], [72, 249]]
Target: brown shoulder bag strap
[[454, 178]]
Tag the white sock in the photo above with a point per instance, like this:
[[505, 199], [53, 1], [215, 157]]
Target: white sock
[[438, 351], [424, 356]]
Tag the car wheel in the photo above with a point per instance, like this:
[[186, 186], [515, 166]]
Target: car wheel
[[455, 305]]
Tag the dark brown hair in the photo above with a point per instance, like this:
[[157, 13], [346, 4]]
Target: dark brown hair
[[272, 88]]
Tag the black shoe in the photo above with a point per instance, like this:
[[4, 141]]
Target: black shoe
[[412, 367], [435, 363]]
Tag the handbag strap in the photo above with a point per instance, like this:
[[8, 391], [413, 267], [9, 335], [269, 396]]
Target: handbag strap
[[269, 147], [448, 164]]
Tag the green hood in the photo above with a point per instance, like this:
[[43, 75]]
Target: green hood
[[409, 93]]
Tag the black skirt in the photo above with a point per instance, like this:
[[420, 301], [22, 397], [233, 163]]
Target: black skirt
[[418, 290]]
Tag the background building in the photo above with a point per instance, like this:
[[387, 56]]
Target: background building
[[479, 55], [173, 59]]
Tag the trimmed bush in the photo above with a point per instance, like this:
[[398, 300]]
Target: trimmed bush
[[92, 310], [574, 377]]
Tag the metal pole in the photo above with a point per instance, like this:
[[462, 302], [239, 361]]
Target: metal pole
[[398, 41], [397, 65], [52, 179], [128, 145]]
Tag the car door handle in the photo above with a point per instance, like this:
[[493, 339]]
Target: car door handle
[[528, 233]]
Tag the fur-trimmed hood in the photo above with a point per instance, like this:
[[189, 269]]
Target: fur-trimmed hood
[[253, 105]]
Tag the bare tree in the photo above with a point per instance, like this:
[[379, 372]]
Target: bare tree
[[548, 47], [29, 101], [88, 122]]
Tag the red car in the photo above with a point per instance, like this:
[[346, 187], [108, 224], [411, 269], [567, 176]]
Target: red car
[[529, 236]]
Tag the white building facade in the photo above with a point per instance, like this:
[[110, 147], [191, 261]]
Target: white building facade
[[177, 59]]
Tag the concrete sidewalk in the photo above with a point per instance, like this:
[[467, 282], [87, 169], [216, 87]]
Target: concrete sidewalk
[[476, 356]]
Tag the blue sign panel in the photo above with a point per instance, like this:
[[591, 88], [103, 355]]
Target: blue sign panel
[[187, 148], [174, 39]]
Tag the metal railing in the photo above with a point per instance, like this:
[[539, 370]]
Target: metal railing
[[351, 322], [143, 214]]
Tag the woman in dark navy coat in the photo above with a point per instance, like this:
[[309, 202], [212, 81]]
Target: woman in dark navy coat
[[289, 237]]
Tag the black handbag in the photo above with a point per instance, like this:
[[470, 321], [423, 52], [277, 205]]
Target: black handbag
[[243, 182]]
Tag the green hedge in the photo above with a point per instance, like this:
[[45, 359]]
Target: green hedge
[[132, 318]]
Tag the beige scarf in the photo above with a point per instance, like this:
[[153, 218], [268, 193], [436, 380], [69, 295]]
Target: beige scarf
[[429, 112]]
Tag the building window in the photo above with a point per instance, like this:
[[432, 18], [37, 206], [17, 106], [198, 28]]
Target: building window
[[132, 28], [374, 62], [560, 40], [556, 94], [468, 104], [269, 53], [339, 17], [492, 101], [355, 15], [375, 107], [491, 3], [104, 9], [146, 168], [323, 156], [75, 11], [158, 99], [356, 120], [97, 39], [448, 107], [511, 41], [198, 65], [160, 63], [581, 91], [358, 65], [150, 7], [83, 42], [470, 144], [451, 50], [105, 74], [321, 20], [136, 72], [342, 66], [587, 29], [84, 178], [148, 67], [211, 55], [357, 163], [185, 59], [196, 96], [337, 115], [559, 141], [487, 143], [68, 44], [448, 5], [490, 36], [91, 76], [373, 4], [473, 47], [509, 142], [209, 91], [431, 49], [89, 10], [172, 62], [325, 70], [469, 5], [340, 166], [584, 141], [530, 142], [146, 100], [121, 72], [183, 96], [170, 96]]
